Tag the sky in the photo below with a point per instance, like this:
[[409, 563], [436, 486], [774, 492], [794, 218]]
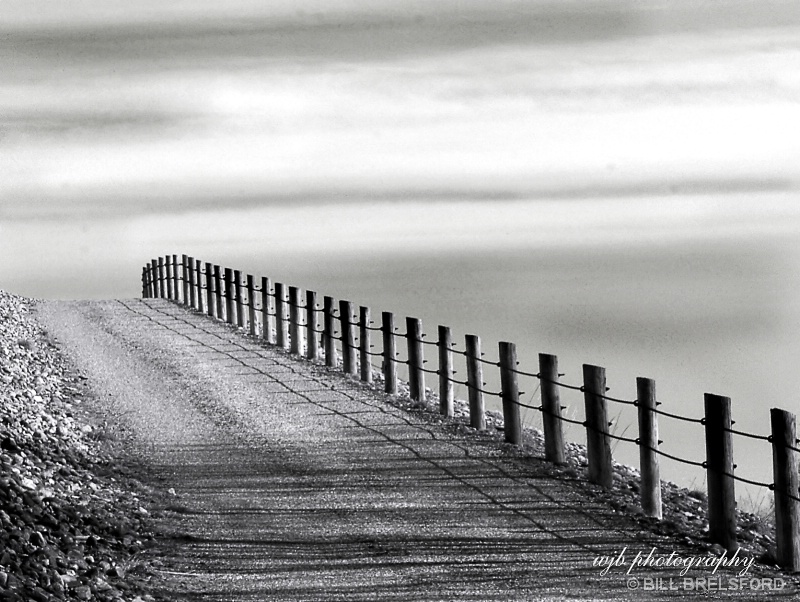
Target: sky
[[113, 109], [612, 181]]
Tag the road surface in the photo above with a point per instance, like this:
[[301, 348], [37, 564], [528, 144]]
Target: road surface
[[293, 482]]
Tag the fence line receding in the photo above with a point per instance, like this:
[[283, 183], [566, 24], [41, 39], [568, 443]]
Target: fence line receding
[[340, 335]]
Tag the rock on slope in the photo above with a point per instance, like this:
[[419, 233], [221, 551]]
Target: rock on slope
[[67, 532]]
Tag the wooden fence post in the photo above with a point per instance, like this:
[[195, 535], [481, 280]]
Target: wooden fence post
[[154, 284], [446, 396], [218, 307], [180, 280], [598, 446], [312, 336], [170, 277], [168, 272], [251, 305], [191, 283], [144, 283], [162, 278], [167, 278], [186, 290], [477, 410], [389, 353], [719, 471], [416, 359], [208, 293], [197, 291], [176, 288], [230, 292], [348, 337], [237, 279], [177, 274], [328, 339], [364, 344], [787, 507], [267, 313], [282, 326], [198, 282], [510, 390], [551, 409], [295, 336], [211, 309], [648, 445]]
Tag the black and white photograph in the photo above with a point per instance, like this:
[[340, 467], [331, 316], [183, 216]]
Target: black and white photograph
[[337, 300]]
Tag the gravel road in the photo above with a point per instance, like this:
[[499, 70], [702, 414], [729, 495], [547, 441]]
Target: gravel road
[[292, 482]]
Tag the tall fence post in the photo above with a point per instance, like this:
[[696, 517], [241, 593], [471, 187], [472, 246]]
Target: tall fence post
[[295, 338], [251, 305], [510, 389], [177, 271], [162, 278], [281, 325], [218, 307], [154, 284], [210, 304], [477, 410], [446, 396], [598, 445], [198, 282], [312, 336], [149, 279], [389, 353], [169, 277], [364, 344], [230, 292], [787, 507], [551, 409], [328, 339], [267, 312], [180, 280], [719, 471], [186, 289], [348, 337], [237, 278], [208, 278], [192, 282], [648, 447], [416, 359], [197, 270], [176, 288]]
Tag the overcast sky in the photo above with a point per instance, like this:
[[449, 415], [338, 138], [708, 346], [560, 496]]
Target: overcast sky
[[117, 108]]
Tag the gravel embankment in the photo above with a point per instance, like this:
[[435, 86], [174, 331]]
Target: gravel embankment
[[68, 530]]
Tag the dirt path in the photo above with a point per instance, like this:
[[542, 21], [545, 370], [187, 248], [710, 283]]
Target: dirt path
[[294, 483]]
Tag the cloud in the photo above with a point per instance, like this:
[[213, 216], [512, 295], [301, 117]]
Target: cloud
[[524, 99]]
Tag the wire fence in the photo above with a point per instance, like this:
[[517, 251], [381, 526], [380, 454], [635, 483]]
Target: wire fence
[[277, 314]]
